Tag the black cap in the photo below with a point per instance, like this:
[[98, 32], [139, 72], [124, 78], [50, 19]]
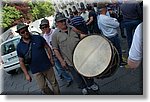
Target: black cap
[[44, 22], [60, 17], [21, 26]]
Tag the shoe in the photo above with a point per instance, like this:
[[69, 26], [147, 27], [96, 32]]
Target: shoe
[[123, 63], [69, 83], [94, 87], [123, 51], [84, 91]]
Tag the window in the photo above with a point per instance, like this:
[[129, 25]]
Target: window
[[9, 47], [66, 12], [74, 8]]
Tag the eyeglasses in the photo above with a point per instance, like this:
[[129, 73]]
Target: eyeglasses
[[23, 31], [45, 26]]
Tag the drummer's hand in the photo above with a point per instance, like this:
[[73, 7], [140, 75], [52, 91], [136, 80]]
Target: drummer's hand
[[52, 62]]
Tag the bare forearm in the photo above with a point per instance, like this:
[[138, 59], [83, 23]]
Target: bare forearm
[[60, 58], [23, 67], [49, 51], [133, 64], [90, 21], [58, 55]]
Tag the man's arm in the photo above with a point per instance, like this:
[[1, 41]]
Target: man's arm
[[24, 69], [79, 32], [133, 64], [136, 50], [49, 52], [90, 21], [112, 22], [60, 58]]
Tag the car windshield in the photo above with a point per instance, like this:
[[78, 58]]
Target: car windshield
[[9, 46]]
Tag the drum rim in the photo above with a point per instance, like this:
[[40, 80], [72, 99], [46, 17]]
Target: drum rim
[[105, 66], [117, 65]]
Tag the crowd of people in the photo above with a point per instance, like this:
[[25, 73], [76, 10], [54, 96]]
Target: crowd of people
[[55, 47]]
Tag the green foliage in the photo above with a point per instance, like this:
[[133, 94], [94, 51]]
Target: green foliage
[[41, 9], [9, 14]]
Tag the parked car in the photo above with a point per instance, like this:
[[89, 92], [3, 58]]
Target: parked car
[[10, 61], [9, 55]]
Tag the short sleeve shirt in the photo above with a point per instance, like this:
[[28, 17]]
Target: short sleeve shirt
[[40, 61], [65, 43], [93, 14], [136, 50]]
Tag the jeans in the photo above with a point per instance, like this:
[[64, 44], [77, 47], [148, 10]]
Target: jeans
[[116, 42], [61, 72], [83, 82], [130, 26]]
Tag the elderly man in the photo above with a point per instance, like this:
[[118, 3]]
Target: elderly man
[[64, 41]]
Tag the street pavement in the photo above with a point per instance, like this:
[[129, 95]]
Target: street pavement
[[123, 82]]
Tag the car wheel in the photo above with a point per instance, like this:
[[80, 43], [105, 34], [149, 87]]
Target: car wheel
[[12, 72]]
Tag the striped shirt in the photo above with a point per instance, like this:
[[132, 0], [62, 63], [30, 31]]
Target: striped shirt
[[77, 20]]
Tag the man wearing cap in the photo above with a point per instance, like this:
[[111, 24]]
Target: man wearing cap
[[64, 41], [109, 26], [47, 35], [79, 23], [41, 61]]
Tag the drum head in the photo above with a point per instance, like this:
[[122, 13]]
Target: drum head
[[92, 55]]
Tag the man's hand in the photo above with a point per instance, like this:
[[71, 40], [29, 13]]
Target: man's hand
[[28, 78], [52, 62], [63, 64]]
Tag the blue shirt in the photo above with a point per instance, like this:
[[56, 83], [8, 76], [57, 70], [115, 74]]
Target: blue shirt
[[79, 23], [77, 20], [40, 61]]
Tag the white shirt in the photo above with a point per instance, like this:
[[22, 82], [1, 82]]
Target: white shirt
[[136, 50], [48, 37], [85, 16], [108, 25]]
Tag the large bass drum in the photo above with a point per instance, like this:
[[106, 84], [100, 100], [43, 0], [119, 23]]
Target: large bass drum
[[95, 56]]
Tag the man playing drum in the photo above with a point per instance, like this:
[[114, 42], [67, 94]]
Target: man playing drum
[[64, 41]]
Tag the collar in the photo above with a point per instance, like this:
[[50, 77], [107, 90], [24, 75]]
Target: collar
[[47, 34], [31, 38], [68, 29]]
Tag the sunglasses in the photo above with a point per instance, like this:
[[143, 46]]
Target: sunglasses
[[42, 27], [23, 31]]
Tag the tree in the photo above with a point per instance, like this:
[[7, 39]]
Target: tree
[[41, 9], [9, 14], [23, 11]]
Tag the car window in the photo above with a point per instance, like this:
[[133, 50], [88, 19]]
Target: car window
[[9, 47]]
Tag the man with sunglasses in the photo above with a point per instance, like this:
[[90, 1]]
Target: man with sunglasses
[[64, 41], [41, 63], [47, 35]]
